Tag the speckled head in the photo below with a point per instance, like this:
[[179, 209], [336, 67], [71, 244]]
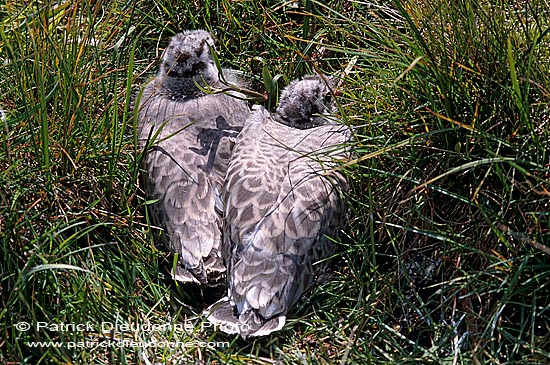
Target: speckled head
[[304, 102], [188, 59]]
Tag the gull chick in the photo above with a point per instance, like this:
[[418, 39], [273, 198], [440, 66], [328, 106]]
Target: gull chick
[[282, 202], [186, 138]]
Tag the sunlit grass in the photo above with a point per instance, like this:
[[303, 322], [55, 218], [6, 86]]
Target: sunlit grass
[[444, 258]]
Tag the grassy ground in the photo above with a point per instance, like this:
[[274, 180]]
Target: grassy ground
[[445, 258]]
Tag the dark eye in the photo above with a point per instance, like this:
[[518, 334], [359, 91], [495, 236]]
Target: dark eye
[[172, 73], [199, 66], [327, 99]]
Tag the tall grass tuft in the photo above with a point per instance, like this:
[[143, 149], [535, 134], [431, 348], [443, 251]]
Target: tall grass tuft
[[445, 257], [71, 252], [460, 209]]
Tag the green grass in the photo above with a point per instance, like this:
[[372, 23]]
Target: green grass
[[445, 257]]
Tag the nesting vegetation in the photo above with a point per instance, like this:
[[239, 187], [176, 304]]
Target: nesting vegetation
[[446, 254]]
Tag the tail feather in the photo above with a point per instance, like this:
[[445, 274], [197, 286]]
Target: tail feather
[[211, 273], [248, 324]]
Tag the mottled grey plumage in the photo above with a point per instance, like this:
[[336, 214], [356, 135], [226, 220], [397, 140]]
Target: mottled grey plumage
[[282, 197], [186, 135]]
